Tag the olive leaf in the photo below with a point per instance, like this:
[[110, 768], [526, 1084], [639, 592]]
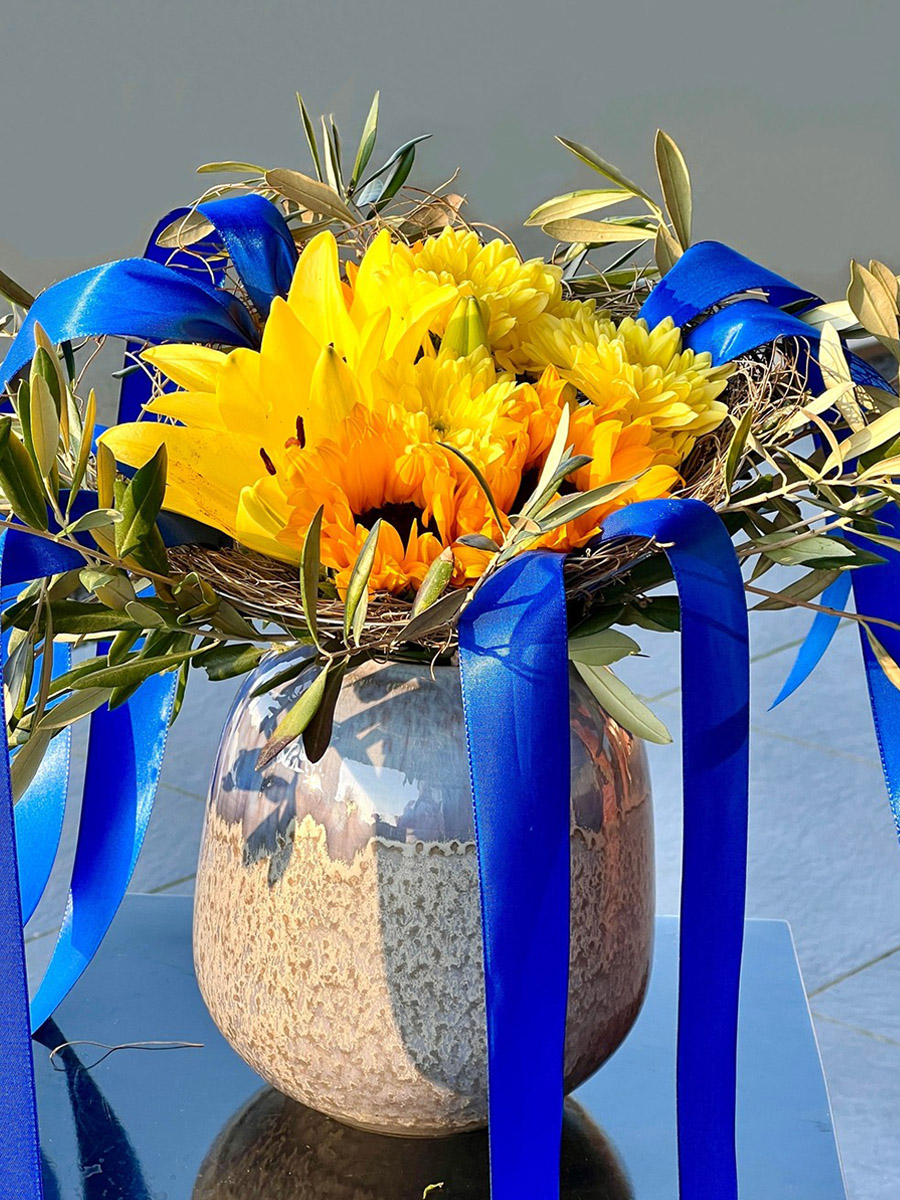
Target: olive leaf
[[310, 134], [824, 552], [736, 446], [575, 204], [807, 587], [310, 569], [675, 182], [76, 617], [441, 612], [19, 480], [838, 313], [14, 292], [357, 599], [84, 445], [317, 734], [618, 700], [479, 478], [97, 518], [598, 233], [602, 648], [666, 250], [883, 658], [478, 541], [592, 159], [240, 168], [277, 679], [73, 708], [134, 670], [366, 144], [873, 304], [46, 365], [26, 761], [435, 583], [570, 508], [231, 659], [295, 720], [883, 429], [185, 231], [384, 188], [333, 172], [141, 503], [310, 194], [44, 430]]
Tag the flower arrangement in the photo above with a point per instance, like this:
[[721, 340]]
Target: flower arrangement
[[415, 407]]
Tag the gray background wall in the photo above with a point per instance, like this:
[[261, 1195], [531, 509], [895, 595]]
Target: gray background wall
[[787, 112]]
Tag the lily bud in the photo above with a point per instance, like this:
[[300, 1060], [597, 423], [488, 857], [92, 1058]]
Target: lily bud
[[467, 328]]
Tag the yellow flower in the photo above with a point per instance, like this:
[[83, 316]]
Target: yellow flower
[[354, 477], [351, 404], [514, 292], [240, 411], [462, 402], [619, 451], [635, 374]]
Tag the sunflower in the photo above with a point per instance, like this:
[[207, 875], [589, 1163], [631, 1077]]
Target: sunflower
[[632, 373], [354, 478]]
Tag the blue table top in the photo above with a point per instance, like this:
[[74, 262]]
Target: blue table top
[[198, 1124]]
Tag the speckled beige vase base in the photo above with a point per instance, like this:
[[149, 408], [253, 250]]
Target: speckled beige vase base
[[357, 988]]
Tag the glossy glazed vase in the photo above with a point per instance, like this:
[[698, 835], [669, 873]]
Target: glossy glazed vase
[[337, 931]]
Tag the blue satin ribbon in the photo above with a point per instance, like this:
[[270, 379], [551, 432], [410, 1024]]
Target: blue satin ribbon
[[715, 704], [125, 754], [876, 590], [514, 667], [817, 641], [515, 685], [40, 812], [20, 1159], [142, 299], [709, 274]]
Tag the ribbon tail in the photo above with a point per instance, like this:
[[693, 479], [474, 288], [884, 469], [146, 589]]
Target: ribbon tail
[[817, 641], [715, 708], [19, 1145], [125, 755], [875, 592], [515, 681], [40, 812]]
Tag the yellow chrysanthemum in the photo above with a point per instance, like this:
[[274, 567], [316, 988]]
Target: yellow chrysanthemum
[[632, 373], [461, 402], [515, 293]]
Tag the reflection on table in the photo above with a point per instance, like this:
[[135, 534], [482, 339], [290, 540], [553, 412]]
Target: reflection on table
[[277, 1149]]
